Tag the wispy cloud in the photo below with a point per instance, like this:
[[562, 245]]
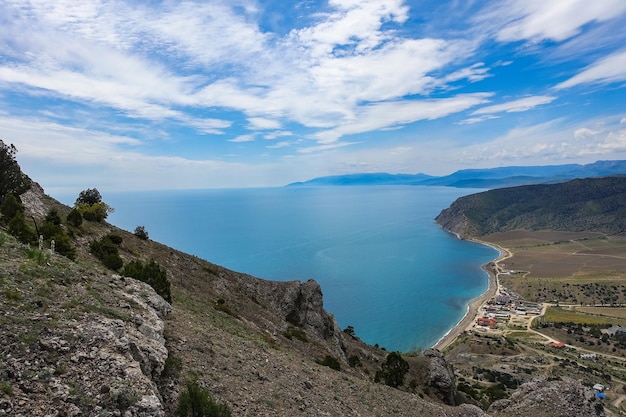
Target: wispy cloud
[[539, 20], [606, 70], [520, 105]]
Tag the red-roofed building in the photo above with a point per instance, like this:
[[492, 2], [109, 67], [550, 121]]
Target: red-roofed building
[[487, 322], [557, 344]]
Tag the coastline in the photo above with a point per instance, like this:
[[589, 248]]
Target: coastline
[[475, 304]]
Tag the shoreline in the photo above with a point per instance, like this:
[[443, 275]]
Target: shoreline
[[475, 304]]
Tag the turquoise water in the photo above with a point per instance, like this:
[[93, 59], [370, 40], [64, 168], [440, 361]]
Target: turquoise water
[[383, 264]]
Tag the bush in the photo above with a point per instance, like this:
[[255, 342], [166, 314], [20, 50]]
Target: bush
[[393, 370], [95, 212], [53, 217], [141, 233], [151, 273], [196, 401], [10, 207], [331, 362], [75, 218], [354, 361], [107, 251], [23, 232], [63, 246]]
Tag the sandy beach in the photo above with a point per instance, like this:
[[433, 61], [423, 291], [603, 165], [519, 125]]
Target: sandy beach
[[475, 305]]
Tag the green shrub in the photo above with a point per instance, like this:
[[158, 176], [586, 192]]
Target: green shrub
[[39, 256], [151, 273], [141, 233], [53, 217], [173, 366], [349, 331], [354, 361], [295, 332], [49, 229], [75, 218], [63, 245], [393, 370], [332, 363], [10, 207], [23, 232], [6, 388], [107, 251], [196, 401]]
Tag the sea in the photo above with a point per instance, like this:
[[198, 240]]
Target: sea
[[385, 267]]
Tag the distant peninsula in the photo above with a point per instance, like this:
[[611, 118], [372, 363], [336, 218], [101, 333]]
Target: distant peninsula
[[477, 178]]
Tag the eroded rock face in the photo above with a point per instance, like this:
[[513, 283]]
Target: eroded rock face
[[563, 398], [296, 303], [84, 364], [441, 377]]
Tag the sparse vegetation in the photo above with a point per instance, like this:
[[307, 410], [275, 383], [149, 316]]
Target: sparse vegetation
[[332, 363], [196, 401], [141, 233], [151, 273], [106, 249], [393, 370]]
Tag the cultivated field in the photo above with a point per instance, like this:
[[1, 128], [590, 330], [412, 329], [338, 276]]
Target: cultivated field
[[565, 267]]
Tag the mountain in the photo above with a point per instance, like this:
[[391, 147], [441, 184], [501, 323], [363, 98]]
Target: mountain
[[480, 178], [590, 204]]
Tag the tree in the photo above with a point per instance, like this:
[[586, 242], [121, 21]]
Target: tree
[[10, 207], [393, 370], [141, 232], [90, 196], [12, 180], [90, 205]]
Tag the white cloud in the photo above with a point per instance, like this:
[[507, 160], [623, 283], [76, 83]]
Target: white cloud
[[277, 134], [354, 23], [545, 143], [557, 20], [473, 120], [604, 71], [261, 123], [242, 138], [279, 145], [380, 115], [520, 105]]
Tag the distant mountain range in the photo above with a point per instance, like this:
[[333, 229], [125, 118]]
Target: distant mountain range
[[479, 178]]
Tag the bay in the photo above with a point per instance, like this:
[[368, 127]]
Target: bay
[[385, 267]]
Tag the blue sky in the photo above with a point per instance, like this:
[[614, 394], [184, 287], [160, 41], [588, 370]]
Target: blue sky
[[128, 95]]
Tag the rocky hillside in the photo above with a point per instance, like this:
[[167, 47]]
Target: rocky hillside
[[78, 339], [596, 204]]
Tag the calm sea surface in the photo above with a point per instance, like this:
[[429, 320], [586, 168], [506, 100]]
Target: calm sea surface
[[385, 267]]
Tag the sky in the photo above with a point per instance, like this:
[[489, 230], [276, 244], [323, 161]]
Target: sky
[[147, 94]]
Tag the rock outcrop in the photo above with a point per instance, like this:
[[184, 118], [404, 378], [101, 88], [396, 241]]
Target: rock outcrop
[[87, 347], [562, 398], [441, 377]]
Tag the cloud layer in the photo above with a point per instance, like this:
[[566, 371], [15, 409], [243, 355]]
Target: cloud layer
[[242, 89]]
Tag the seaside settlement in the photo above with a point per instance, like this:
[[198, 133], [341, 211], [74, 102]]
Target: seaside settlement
[[504, 313]]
